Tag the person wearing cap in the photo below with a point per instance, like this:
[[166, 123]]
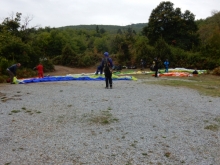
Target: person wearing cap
[[12, 71], [107, 65]]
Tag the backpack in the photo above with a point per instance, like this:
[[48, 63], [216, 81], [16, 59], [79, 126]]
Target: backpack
[[152, 67], [107, 65]]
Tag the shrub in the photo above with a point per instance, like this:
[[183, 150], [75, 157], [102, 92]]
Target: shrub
[[26, 73], [216, 71], [3, 79], [57, 60], [48, 65]]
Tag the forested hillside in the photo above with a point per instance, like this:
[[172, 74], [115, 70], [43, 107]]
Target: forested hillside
[[168, 34], [112, 29]]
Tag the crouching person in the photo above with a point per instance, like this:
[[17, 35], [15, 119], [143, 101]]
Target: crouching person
[[12, 71]]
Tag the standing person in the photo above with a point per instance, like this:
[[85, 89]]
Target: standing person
[[142, 64], [40, 70], [12, 71], [156, 66], [107, 65], [166, 64]]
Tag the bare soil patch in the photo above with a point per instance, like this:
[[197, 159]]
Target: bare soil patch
[[63, 70]]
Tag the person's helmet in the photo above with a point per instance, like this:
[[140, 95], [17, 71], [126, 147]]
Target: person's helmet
[[106, 54]]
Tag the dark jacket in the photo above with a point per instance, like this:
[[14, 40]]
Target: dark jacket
[[13, 69], [109, 61]]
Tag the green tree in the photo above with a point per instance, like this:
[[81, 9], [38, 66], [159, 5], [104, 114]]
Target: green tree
[[174, 27], [162, 50], [142, 50], [68, 57]]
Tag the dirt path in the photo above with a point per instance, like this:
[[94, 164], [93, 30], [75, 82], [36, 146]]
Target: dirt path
[[63, 70]]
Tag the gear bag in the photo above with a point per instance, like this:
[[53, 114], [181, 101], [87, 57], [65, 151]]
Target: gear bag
[[107, 65]]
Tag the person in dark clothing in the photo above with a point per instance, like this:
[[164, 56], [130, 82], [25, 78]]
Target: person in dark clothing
[[107, 65], [156, 66], [142, 64], [195, 71], [99, 69], [12, 71]]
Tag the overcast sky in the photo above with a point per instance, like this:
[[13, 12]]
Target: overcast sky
[[58, 13]]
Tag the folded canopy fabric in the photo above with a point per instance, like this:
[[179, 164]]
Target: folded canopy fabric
[[73, 78]]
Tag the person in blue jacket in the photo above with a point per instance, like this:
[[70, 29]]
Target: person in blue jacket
[[99, 69], [166, 64], [12, 71], [107, 65]]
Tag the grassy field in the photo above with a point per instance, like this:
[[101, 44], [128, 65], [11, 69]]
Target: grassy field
[[204, 83]]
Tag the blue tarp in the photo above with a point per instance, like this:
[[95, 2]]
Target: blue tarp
[[70, 78]]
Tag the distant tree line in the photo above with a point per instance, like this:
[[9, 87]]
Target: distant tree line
[[169, 34]]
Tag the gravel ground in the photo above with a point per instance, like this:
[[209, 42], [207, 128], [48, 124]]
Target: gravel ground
[[80, 122]]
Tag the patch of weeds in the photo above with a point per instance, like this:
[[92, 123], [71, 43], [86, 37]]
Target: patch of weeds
[[212, 127], [205, 121], [23, 108], [15, 111], [115, 119], [102, 117], [10, 114], [182, 161], [164, 137], [60, 119], [18, 91], [217, 119], [69, 105], [149, 100], [28, 111], [109, 108], [145, 154], [123, 137], [128, 163], [38, 111], [167, 154], [133, 145], [4, 98], [8, 163]]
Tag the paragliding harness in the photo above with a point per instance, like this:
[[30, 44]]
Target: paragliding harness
[[107, 66], [152, 67]]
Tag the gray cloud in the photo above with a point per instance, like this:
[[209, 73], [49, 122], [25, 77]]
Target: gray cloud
[[56, 13]]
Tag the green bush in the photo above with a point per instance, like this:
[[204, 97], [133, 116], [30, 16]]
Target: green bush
[[216, 71], [48, 65], [4, 64], [3, 78], [57, 60], [26, 73]]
